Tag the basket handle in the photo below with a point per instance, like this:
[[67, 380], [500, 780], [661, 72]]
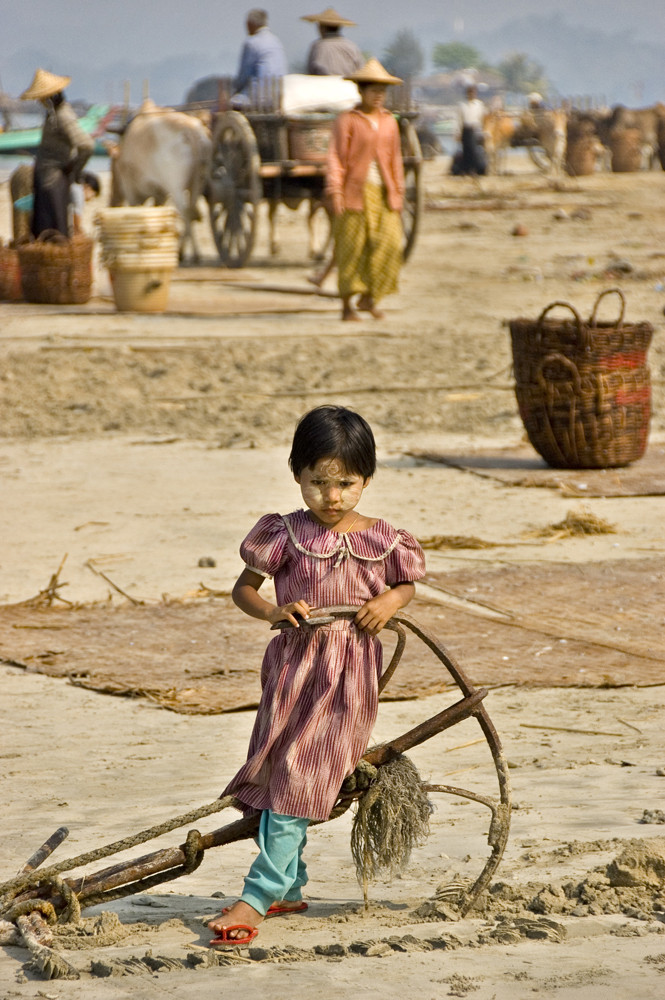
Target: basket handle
[[581, 331], [609, 291], [562, 360], [51, 236], [564, 305], [577, 383]]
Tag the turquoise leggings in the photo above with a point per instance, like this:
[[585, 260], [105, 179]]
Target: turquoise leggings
[[279, 871]]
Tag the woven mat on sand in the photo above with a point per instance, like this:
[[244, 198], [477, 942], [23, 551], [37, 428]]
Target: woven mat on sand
[[521, 466], [198, 658], [560, 625], [555, 625]]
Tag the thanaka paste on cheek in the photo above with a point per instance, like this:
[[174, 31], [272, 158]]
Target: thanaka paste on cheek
[[317, 498], [330, 492]]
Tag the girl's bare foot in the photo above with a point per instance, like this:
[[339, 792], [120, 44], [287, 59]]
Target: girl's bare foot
[[350, 315], [239, 913]]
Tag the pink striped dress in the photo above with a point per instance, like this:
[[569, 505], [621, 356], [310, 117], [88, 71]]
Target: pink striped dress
[[320, 686]]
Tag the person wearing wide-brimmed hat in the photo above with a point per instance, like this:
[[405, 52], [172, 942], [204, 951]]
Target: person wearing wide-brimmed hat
[[365, 190], [62, 153], [332, 54]]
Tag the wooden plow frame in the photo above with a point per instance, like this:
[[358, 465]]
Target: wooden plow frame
[[32, 899]]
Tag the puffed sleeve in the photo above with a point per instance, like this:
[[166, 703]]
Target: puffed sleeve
[[406, 562], [264, 549]]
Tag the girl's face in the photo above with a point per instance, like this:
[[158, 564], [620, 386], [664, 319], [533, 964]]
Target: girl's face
[[373, 96], [330, 491]]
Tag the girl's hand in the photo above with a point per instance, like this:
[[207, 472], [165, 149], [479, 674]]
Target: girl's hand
[[373, 615], [288, 613]]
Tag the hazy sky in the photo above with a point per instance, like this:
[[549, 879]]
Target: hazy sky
[[133, 36]]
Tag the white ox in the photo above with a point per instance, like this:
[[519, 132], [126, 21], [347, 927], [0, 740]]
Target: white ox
[[162, 155]]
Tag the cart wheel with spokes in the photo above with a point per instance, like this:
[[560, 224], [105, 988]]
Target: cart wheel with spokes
[[234, 188], [413, 193]]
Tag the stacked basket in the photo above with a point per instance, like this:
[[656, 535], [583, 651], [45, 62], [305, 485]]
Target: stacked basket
[[140, 249], [583, 389]]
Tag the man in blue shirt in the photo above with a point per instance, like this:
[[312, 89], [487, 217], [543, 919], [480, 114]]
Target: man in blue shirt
[[262, 54]]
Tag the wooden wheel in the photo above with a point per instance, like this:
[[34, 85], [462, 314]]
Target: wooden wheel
[[234, 188], [413, 194]]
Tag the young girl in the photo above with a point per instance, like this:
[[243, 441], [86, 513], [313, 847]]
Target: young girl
[[320, 684]]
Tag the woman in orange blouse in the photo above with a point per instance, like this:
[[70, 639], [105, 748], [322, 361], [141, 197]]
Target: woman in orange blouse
[[365, 188]]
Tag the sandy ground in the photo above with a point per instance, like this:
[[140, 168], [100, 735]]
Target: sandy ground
[[144, 443]]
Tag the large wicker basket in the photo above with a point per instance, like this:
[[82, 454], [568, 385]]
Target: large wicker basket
[[309, 137], [10, 275], [581, 145], [56, 270], [626, 150], [583, 389]]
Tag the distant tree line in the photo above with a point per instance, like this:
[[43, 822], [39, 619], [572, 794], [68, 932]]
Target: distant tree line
[[404, 56]]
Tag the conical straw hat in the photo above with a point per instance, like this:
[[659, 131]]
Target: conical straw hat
[[373, 72], [331, 17], [45, 84]]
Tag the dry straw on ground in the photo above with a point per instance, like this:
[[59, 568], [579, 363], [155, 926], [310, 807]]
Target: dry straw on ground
[[577, 522]]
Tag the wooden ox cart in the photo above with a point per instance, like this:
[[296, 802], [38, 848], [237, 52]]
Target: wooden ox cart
[[262, 152]]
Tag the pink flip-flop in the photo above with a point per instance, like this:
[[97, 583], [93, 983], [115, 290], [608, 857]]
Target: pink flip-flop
[[224, 941], [277, 910]]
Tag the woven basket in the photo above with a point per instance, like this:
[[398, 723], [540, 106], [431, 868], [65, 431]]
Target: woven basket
[[56, 270], [583, 389], [10, 275], [581, 143], [309, 138], [626, 149], [140, 249]]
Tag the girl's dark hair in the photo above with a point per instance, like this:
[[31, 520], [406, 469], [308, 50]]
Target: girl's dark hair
[[334, 432]]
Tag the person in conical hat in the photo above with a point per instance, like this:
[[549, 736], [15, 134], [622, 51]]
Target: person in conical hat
[[332, 54], [63, 151], [45, 84], [373, 72], [365, 191]]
